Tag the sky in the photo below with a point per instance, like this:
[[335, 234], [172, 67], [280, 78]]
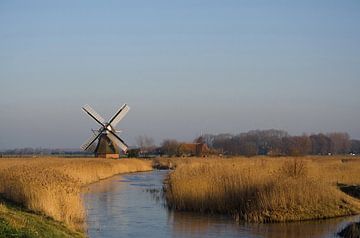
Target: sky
[[184, 67]]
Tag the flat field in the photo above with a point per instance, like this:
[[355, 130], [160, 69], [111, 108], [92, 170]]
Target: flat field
[[52, 186], [264, 189]]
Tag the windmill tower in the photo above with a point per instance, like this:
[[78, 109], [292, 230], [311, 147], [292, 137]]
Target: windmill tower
[[105, 142]]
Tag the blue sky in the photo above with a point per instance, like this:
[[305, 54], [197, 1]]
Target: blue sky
[[184, 67]]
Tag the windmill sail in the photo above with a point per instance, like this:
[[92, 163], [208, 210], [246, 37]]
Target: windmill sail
[[91, 148], [89, 144], [119, 115], [92, 113], [117, 141]]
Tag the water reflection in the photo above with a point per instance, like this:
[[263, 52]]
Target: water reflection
[[186, 224], [129, 206], [319, 228]]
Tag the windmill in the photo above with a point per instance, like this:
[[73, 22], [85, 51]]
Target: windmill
[[108, 142]]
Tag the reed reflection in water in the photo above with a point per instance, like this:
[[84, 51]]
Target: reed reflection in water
[[129, 206]]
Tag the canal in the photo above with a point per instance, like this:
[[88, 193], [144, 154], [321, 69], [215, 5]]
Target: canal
[[130, 205]]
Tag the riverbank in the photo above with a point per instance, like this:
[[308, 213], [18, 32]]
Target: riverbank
[[51, 186], [16, 221], [264, 189]]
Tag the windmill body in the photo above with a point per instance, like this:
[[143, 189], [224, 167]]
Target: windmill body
[[106, 148], [105, 142]]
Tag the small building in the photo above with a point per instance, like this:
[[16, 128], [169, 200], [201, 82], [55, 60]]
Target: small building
[[193, 149]]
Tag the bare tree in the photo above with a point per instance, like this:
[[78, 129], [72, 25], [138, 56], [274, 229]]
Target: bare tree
[[296, 145], [248, 148], [340, 142], [145, 143], [277, 142], [170, 147], [355, 146], [320, 144]]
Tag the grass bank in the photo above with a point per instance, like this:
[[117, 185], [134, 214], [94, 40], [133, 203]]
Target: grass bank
[[265, 189], [52, 186], [18, 222]]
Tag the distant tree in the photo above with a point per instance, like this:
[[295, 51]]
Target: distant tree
[[209, 140], [355, 146], [199, 139], [133, 153], [340, 142], [262, 141], [145, 143], [277, 142], [320, 144], [223, 143], [305, 144], [170, 147], [274, 147], [248, 148], [296, 145], [267, 141]]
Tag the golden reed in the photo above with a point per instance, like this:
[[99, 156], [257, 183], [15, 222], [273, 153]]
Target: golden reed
[[264, 189], [52, 186]]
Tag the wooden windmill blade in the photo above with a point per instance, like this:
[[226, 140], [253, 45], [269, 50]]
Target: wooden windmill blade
[[93, 114], [119, 115], [117, 141], [89, 145]]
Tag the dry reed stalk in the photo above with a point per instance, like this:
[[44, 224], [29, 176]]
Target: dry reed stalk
[[264, 189], [52, 185]]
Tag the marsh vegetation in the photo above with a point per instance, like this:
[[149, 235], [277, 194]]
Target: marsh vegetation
[[264, 189], [52, 186], [258, 189]]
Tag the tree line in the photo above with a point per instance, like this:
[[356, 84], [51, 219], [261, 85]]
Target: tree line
[[42, 151], [255, 142], [278, 142]]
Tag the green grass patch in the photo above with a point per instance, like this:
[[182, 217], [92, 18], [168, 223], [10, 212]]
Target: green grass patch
[[17, 222]]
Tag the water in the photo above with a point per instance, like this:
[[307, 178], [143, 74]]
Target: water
[[130, 206]]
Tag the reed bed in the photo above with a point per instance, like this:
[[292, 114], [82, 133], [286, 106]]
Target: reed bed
[[265, 189], [52, 186]]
